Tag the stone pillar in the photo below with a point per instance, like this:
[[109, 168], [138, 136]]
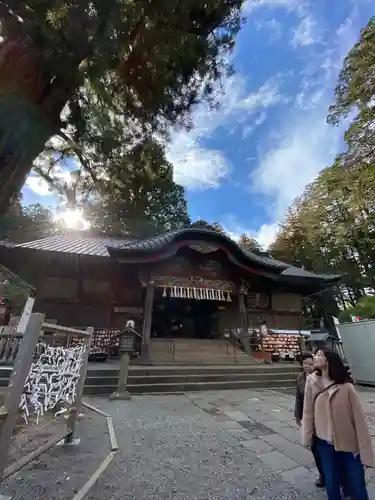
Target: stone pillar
[[122, 392], [147, 319], [243, 319]]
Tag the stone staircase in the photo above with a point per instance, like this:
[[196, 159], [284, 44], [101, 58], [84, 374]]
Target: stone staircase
[[196, 352], [177, 379]]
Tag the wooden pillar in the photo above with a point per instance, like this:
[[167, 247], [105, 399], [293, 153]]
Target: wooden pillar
[[243, 320], [147, 318]]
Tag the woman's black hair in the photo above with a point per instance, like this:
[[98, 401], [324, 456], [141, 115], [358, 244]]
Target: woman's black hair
[[305, 355], [337, 371]]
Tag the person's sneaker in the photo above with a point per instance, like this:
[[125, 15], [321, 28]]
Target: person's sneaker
[[319, 483]]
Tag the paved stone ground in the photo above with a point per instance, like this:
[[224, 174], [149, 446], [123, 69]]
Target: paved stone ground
[[223, 445]]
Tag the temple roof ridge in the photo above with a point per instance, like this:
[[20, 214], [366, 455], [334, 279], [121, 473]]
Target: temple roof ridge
[[83, 243]]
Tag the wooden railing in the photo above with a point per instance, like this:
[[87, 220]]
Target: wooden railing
[[53, 335], [9, 345]]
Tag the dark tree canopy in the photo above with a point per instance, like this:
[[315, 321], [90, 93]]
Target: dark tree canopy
[[143, 64], [140, 197]]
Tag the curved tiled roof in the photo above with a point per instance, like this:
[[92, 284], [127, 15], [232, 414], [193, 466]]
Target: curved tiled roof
[[75, 244], [161, 242], [103, 246]]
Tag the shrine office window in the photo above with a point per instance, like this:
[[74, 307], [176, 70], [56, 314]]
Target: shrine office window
[[259, 300]]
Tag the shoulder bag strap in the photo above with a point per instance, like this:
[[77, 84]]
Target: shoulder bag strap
[[322, 391]]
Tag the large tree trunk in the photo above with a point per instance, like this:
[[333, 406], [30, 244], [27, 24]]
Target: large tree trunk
[[22, 138], [29, 116]]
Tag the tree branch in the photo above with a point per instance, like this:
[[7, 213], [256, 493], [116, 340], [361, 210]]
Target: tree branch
[[81, 158]]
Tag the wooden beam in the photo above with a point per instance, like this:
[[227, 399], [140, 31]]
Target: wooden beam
[[147, 318], [243, 318]]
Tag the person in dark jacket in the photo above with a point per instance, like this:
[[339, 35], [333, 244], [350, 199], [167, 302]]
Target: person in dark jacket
[[307, 363]]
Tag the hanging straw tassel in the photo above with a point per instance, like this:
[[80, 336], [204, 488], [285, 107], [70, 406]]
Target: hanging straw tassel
[[165, 291], [172, 292], [229, 298]]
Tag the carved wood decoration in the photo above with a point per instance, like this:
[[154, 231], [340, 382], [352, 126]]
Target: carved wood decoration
[[183, 292], [182, 267], [203, 280], [203, 248]]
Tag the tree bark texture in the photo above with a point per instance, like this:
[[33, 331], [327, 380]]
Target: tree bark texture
[[29, 116]]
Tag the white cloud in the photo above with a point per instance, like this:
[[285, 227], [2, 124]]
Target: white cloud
[[196, 166], [200, 167], [265, 235], [41, 187], [305, 147], [297, 6], [274, 28], [257, 122], [303, 143], [38, 185], [306, 33]]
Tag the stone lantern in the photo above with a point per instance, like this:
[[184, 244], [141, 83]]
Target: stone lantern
[[127, 339]]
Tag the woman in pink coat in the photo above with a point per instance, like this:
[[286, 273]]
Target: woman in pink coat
[[333, 416]]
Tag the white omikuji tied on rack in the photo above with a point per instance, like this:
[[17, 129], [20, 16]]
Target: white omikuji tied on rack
[[197, 293], [52, 381]]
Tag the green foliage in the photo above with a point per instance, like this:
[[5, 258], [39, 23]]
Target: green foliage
[[139, 196], [249, 244], [356, 86], [245, 241], [147, 58], [331, 228], [138, 66], [15, 290], [26, 223], [364, 308], [202, 224]]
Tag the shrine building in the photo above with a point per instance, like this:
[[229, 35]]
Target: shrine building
[[189, 284]]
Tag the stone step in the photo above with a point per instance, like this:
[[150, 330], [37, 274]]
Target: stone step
[[190, 386], [158, 379], [194, 370], [181, 379], [196, 350]]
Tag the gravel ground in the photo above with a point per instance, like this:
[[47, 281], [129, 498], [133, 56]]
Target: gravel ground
[[227, 445], [30, 436], [59, 473], [172, 449]]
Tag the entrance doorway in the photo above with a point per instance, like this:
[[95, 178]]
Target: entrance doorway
[[184, 318]]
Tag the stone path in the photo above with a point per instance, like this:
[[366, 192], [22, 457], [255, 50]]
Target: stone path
[[231, 445]]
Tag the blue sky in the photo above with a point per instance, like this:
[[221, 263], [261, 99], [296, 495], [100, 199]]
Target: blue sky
[[243, 164]]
